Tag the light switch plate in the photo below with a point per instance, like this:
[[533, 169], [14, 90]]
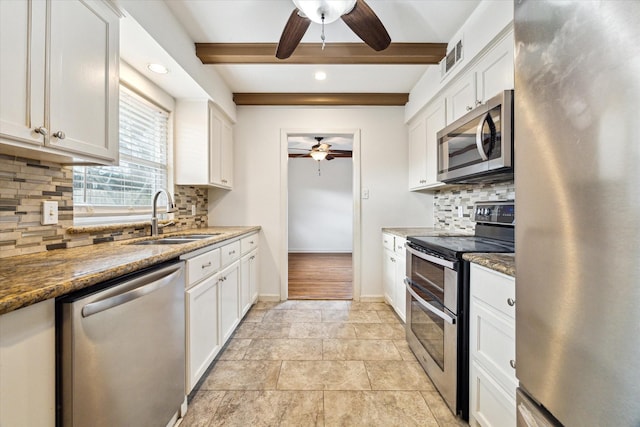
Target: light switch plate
[[365, 193], [49, 212]]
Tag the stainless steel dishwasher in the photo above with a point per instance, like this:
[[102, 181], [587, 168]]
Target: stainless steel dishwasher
[[121, 350]]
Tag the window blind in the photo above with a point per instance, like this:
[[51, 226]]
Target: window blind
[[143, 163]]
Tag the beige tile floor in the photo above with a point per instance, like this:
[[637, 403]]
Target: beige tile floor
[[318, 363]]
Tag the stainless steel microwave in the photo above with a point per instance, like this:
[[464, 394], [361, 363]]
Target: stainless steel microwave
[[478, 147]]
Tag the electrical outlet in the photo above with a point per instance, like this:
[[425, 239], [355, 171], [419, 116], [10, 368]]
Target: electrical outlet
[[193, 210], [365, 193], [49, 212], [460, 212]]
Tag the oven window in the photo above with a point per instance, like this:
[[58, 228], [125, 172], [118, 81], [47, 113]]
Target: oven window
[[427, 327]]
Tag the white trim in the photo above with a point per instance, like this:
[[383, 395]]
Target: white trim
[[284, 206]]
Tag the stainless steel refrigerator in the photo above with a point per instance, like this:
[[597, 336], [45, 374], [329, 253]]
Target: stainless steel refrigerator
[[577, 166]]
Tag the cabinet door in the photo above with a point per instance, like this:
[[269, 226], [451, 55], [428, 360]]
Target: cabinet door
[[494, 72], [418, 155], [83, 80], [461, 97], [22, 55], [226, 166], [389, 276], [253, 271], [215, 147], [203, 334], [27, 366], [229, 300], [435, 120]]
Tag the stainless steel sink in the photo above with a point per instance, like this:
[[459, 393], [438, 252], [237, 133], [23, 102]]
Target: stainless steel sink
[[175, 240]]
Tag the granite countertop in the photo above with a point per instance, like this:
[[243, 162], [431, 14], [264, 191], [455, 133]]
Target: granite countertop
[[503, 263], [405, 232], [28, 279]]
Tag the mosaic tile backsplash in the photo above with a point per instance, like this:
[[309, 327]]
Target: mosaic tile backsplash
[[446, 203], [25, 183]]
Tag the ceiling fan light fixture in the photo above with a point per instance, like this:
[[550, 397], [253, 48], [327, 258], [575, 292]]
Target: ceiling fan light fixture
[[318, 155], [331, 10]]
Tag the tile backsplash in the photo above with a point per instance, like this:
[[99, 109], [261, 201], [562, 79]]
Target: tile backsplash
[[446, 203], [25, 183]]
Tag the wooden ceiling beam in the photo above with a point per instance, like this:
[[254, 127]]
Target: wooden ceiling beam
[[312, 53], [375, 99]]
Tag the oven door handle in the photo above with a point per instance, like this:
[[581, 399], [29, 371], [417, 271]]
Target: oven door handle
[[431, 258], [441, 314]]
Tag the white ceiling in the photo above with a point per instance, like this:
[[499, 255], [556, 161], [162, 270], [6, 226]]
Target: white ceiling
[[262, 21]]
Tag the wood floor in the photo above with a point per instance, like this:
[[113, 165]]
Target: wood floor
[[320, 276]]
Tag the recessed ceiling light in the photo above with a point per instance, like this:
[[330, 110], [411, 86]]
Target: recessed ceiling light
[[320, 75], [158, 68]]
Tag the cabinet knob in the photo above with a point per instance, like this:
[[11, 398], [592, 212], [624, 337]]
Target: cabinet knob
[[60, 135], [224, 181], [392, 259], [512, 363], [478, 102], [511, 302], [41, 130], [469, 108]]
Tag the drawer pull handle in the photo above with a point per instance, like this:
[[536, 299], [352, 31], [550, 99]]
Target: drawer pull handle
[[251, 242], [512, 363], [511, 302], [253, 257], [232, 252], [206, 265]]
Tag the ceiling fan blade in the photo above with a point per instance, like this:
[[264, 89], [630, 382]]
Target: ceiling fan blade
[[329, 157], [365, 23], [315, 147], [292, 34]]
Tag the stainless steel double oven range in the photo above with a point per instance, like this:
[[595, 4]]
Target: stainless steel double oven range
[[437, 285]]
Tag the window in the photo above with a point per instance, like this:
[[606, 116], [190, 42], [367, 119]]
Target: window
[[127, 189]]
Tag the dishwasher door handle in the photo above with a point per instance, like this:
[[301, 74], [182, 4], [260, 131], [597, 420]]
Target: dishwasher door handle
[[145, 285]]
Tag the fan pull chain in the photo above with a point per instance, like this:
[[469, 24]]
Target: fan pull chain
[[318, 167], [323, 43]]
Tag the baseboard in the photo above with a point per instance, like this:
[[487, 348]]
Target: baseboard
[[319, 251], [372, 298], [269, 297]]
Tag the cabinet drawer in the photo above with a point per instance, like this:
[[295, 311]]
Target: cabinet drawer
[[230, 253], [247, 244], [492, 342], [388, 241], [202, 266], [490, 405], [496, 289]]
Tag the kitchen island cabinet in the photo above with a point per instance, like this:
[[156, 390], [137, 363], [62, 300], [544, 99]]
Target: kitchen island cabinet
[[27, 366], [59, 80]]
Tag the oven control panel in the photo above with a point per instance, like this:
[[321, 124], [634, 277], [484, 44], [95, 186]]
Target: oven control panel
[[495, 212]]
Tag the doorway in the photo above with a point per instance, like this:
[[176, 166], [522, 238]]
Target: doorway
[[322, 215]]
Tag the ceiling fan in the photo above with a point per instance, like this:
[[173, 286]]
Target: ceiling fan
[[321, 151], [355, 13]]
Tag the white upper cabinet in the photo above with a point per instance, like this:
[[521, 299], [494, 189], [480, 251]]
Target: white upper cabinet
[[491, 74], [59, 80], [204, 145], [423, 146]]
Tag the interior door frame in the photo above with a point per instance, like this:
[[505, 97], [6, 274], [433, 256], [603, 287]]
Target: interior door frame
[[284, 206]]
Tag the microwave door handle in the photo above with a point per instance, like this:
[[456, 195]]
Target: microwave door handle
[[441, 314], [483, 155]]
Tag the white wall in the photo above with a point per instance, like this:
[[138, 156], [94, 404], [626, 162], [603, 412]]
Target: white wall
[[320, 205], [255, 198]]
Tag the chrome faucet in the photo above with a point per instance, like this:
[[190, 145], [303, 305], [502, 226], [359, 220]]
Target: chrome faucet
[[171, 207]]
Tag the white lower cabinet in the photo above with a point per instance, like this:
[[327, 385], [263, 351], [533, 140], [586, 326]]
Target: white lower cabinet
[[203, 339], [393, 273], [248, 281], [229, 281], [214, 304], [27, 366], [492, 380]]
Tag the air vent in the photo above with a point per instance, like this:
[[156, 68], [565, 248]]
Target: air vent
[[453, 57]]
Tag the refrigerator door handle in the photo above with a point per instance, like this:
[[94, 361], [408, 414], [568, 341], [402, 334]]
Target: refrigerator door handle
[[146, 285]]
